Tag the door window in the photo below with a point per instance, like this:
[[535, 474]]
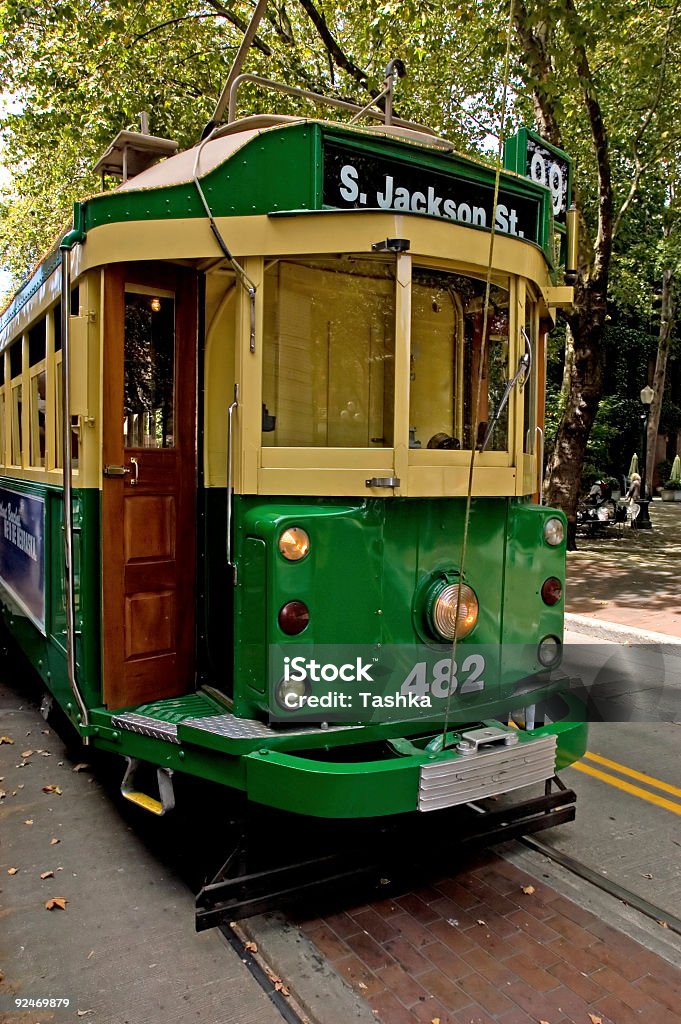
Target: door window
[[149, 371]]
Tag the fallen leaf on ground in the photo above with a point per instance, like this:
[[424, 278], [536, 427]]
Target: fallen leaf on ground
[[45, 732], [543, 1022], [279, 986], [56, 901], [84, 1013], [528, 889], [481, 922], [12, 871], [595, 1019], [46, 874], [252, 947], [90, 954], [646, 875], [435, 1020], [54, 841], [26, 753], [52, 789], [362, 985], [663, 924], [80, 767], [29, 821], [3, 794], [6, 739]]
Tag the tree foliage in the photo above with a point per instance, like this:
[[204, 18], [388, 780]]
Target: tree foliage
[[598, 78]]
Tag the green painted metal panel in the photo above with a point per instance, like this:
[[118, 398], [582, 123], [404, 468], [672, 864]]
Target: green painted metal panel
[[48, 653], [253, 609], [274, 171], [333, 790]]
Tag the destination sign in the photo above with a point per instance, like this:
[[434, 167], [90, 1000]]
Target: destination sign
[[356, 180]]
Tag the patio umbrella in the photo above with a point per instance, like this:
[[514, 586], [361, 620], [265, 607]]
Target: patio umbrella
[[633, 468], [675, 474]]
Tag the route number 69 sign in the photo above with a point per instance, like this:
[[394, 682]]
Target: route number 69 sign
[[530, 155]]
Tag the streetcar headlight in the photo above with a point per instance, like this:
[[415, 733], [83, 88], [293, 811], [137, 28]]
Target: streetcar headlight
[[549, 651], [289, 693], [553, 531], [454, 611], [294, 543]]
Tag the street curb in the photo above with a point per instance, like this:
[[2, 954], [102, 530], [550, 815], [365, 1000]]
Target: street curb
[[617, 633], [315, 985]]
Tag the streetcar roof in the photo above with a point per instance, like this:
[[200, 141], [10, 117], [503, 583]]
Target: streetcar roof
[[179, 169]]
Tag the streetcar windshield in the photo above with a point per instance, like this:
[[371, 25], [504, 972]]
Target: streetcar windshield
[[329, 353], [329, 356], [448, 357]]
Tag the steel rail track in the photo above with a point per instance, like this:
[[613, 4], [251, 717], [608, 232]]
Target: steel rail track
[[244, 887], [258, 972], [621, 893]]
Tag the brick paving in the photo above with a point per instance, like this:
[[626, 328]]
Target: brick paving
[[632, 577], [477, 949]]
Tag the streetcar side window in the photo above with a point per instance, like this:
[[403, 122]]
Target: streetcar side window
[[448, 355], [16, 396], [37, 338], [58, 391], [329, 353], [3, 452]]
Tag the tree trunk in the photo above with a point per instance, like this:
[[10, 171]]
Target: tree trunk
[[664, 340], [582, 386]]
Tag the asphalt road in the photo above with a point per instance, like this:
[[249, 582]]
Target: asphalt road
[[628, 786]]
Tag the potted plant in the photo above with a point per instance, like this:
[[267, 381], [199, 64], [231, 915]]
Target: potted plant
[[671, 489]]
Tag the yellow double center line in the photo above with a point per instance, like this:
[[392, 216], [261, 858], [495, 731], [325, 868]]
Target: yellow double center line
[[628, 787]]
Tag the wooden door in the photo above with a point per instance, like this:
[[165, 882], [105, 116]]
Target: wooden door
[[149, 483]]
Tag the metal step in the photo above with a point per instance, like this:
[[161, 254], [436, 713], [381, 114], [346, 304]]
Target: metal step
[[166, 793]]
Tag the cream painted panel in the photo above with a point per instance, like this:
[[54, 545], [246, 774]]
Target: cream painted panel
[[312, 233], [219, 381], [324, 482], [433, 482], [527, 479]]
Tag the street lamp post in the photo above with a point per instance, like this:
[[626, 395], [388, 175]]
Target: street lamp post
[[643, 520]]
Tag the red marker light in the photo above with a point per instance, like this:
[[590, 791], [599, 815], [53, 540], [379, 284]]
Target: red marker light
[[552, 590], [293, 618]]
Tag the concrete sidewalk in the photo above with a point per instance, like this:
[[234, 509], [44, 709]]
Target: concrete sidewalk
[[123, 950], [633, 577]]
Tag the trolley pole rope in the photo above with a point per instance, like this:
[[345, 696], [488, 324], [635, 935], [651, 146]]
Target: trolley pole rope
[[481, 363]]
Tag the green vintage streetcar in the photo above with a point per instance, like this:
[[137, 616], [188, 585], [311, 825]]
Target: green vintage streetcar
[[277, 398]]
